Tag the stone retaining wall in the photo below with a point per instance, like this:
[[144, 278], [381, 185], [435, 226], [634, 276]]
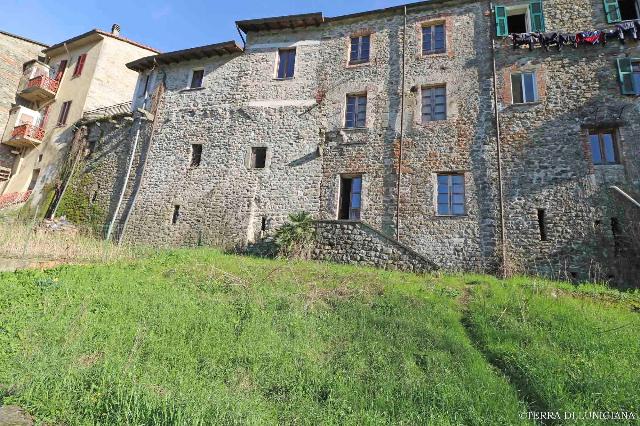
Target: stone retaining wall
[[357, 243]]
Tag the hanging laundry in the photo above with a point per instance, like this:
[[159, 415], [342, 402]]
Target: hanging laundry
[[568, 39], [591, 37], [627, 27], [520, 39], [549, 39]]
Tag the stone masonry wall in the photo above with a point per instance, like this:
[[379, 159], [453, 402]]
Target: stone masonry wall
[[358, 244], [546, 154]]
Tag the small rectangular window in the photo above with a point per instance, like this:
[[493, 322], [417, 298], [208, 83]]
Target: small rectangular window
[[80, 65], [176, 214], [286, 63], [196, 79], [523, 88], [434, 103], [258, 157], [603, 147], [359, 49], [356, 112], [196, 154], [433, 39], [542, 225], [350, 198], [451, 197], [64, 113]]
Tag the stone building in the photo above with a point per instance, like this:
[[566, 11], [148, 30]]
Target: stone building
[[14, 51], [73, 78], [420, 121]]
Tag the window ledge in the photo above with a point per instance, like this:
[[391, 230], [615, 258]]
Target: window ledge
[[191, 89], [358, 64], [608, 165], [283, 78], [451, 216], [433, 123], [524, 104], [354, 129], [434, 54]]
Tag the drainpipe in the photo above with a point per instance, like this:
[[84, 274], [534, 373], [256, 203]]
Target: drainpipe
[[399, 172], [625, 195], [126, 178], [503, 236]]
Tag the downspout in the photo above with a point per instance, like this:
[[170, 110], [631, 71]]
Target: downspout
[[126, 179], [503, 236], [399, 172]]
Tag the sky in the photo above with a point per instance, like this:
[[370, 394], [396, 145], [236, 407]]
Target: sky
[[163, 24]]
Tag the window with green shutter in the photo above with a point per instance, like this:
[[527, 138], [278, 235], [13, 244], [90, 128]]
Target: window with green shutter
[[500, 13], [536, 16], [629, 75], [612, 11]]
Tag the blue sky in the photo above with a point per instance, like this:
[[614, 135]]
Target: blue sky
[[164, 24]]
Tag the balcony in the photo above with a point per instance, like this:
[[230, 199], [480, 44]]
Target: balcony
[[25, 135], [39, 89]]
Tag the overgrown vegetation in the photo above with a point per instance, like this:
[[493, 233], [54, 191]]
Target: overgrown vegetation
[[199, 337], [295, 238]]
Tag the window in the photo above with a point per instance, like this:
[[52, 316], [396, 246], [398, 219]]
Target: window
[[359, 49], [40, 158], [620, 10], [5, 173], [176, 214], [79, 65], [519, 19], [258, 157], [451, 194], [61, 68], [356, 112], [196, 155], [434, 103], [286, 63], [629, 75], [433, 39], [34, 179], [64, 113], [542, 225], [603, 147], [196, 79], [350, 198], [523, 88]]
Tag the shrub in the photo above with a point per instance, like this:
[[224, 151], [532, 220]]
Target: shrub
[[295, 238]]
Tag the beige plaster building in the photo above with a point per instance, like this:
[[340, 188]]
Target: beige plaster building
[[74, 77]]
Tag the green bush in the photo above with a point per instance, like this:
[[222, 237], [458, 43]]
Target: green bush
[[295, 238]]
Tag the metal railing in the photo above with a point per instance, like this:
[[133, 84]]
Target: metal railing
[[44, 82], [108, 111], [28, 131]]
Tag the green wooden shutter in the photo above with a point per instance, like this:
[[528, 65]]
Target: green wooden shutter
[[626, 76], [537, 17], [612, 11], [500, 13]]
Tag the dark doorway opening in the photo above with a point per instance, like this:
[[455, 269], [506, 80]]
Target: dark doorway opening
[[628, 9], [350, 197]]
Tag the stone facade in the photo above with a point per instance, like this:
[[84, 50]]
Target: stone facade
[[558, 207], [359, 244]]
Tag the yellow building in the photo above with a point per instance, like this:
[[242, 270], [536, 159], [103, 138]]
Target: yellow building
[[78, 76]]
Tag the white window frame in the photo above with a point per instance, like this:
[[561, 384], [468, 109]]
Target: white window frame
[[517, 10], [522, 87], [193, 70]]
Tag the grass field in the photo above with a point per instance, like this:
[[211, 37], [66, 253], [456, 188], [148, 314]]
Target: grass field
[[199, 337]]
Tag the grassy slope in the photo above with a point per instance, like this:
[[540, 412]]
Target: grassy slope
[[191, 337], [567, 349]]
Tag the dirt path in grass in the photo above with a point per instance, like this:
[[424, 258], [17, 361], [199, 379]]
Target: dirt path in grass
[[522, 389]]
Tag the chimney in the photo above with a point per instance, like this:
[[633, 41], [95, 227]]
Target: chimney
[[115, 29]]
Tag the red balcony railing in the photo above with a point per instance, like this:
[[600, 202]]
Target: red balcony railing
[[44, 82], [28, 131]]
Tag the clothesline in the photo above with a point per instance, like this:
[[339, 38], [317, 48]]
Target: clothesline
[[593, 37]]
